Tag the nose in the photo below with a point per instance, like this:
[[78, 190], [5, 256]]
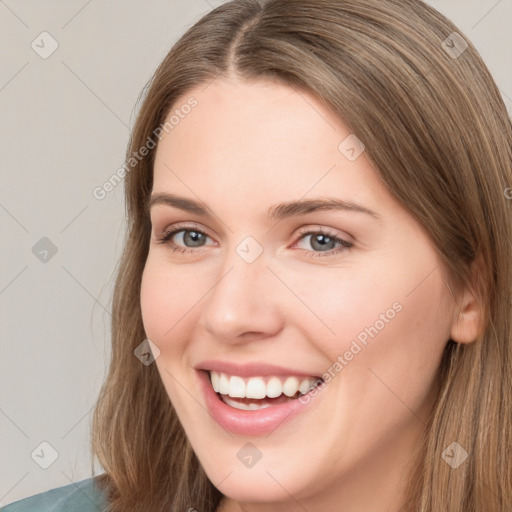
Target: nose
[[243, 304]]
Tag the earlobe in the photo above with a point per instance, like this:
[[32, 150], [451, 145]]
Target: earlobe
[[468, 318]]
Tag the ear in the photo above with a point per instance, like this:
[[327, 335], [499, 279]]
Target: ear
[[468, 313]]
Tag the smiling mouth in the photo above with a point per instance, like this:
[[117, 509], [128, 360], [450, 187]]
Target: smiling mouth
[[255, 393]]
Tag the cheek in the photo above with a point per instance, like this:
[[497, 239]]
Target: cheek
[[343, 305], [401, 353], [396, 323], [167, 303]]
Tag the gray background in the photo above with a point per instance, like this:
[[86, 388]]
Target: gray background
[[65, 122]]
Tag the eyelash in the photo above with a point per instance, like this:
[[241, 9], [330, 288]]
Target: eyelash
[[167, 235]]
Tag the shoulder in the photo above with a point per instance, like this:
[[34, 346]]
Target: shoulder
[[84, 496]]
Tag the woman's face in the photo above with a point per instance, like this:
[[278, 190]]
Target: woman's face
[[271, 291]]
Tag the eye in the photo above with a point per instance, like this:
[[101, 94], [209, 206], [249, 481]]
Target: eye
[[190, 236], [324, 241]]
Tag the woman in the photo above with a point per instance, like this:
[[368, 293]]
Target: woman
[[313, 306]]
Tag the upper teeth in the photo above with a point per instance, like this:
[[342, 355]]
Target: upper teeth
[[260, 387]]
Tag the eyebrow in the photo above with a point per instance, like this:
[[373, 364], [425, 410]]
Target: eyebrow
[[275, 212]]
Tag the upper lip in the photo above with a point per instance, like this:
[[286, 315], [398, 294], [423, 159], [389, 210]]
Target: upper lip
[[252, 369]]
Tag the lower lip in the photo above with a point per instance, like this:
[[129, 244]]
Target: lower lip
[[251, 423]]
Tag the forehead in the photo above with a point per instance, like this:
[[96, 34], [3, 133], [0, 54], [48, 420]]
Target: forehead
[[244, 116], [262, 140]]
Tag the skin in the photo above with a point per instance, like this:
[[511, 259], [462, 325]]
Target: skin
[[245, 147]]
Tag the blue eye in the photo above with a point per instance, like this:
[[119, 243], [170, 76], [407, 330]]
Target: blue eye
[[193, 239], [191, 236], [324, 240]]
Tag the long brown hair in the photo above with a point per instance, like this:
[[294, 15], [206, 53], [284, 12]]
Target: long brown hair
[[437, 131]]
